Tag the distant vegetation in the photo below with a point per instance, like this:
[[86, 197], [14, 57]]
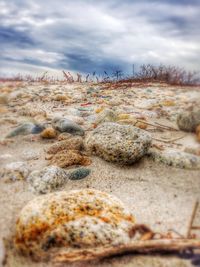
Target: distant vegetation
[[147, 73]]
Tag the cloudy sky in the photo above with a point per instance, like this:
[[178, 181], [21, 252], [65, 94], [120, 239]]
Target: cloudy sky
[[93, 35]]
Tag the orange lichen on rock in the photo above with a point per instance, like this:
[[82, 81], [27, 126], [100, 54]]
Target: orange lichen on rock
[[48, 133], [67, 220], [67, 158]]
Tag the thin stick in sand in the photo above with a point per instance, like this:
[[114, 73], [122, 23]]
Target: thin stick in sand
[[149, 246]]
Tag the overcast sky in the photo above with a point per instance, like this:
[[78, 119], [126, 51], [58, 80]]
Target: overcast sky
[[93, 35]]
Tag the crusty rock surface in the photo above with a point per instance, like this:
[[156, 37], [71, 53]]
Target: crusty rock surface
[[84, 218], [47, 180], [75, 143], [175, 158], [113, 142], [66, 125], [188, 121]]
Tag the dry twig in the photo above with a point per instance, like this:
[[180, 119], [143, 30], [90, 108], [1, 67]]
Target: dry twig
[[162, 245]]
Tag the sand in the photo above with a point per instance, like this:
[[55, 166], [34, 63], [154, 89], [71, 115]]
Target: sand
[[158, 195]]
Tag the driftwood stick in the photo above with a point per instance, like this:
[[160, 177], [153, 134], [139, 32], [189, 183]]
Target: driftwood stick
[[169, 140], [149, 246], [194, 211], [167, 127], [158, 125]]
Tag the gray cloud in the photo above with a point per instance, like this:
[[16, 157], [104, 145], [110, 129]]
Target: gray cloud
[[93, 35]]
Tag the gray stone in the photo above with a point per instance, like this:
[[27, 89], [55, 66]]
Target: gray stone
[[79, 174], [188, 121], [175, 158], [25, 129], [65, 125], [113, 142], [47, 180], [106, 115], [15, 171]]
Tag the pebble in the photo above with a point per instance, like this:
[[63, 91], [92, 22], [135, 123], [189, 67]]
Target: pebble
[[79, 174], [63, 221], [47, 180], [15, 171], [188, 121], [113, 142], [176, 158], [48, 133], [25, 129], [2, 252], [74, 142], [3, 99], [65, 125], [107, 115], [30, 155], [66, 158]]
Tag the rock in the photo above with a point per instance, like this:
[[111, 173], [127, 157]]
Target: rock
[[64, 136], [175, 158], [188, 121], [61, 97], [107, 115], [123, 116], [198, 132], [192, 150], [48, 133], [30, 155], [3, 99], [65, 221], [65, 125], [75, 143], [29, 110], [124, 144], [66, 158], [76, 119], [47, 180], [79, 173], [15, 171], [2, 252], [25, 129]]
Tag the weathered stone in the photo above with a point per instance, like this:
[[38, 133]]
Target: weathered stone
[[75, 143], [15, 171], [65, 125], [63, 221], [79, 173], [124, 144], [47, 180], [66, 158], [25, 129], [48, 133], [188, 121], [175, 158], [107, 115]]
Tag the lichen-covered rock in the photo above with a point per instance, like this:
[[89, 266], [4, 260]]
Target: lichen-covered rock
[[48, 133], [188, 121], [15, 171], [65, 125], [66, 158], [62, 221], [118, 143], [75, 143], [25, 129], [79, 173], [175, 158], [47, 180]]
